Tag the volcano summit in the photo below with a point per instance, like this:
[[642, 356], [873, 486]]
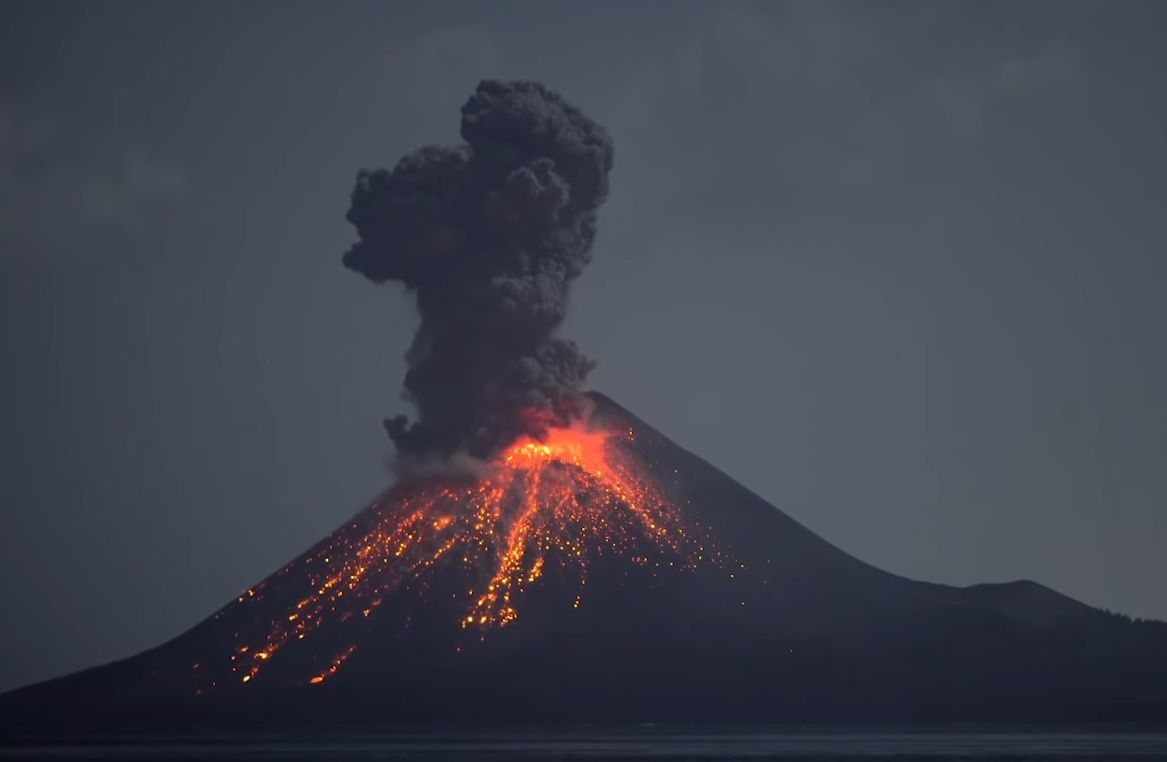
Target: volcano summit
[[548, 557]]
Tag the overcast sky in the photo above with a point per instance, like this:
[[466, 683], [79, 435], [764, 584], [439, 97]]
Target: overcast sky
[[897, 267]]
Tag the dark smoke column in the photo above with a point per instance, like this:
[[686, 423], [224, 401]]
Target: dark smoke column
[[488, 235]]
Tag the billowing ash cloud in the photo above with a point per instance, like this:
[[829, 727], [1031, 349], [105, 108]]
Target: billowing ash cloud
[[488, 236]]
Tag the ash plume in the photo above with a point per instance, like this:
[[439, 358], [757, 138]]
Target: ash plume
[[488, 236]]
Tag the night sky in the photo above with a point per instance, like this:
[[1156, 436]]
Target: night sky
[[897, 267]]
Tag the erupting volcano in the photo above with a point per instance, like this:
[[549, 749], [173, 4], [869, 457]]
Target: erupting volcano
[[547, 556], [605, 574], [560, 500]]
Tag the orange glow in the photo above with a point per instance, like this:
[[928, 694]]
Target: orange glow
[[563, 500]]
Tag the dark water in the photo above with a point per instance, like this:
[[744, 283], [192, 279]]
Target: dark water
[[630, 743], [644, 743]]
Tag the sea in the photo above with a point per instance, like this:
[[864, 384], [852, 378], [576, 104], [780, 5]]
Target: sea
[[648, 742]]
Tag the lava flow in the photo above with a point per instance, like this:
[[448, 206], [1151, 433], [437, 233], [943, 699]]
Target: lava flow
[[562, 499]]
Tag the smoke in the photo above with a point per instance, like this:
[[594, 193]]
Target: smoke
[[488, 236], [456, 466]]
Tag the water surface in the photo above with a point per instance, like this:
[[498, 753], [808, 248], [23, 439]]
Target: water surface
[[641, 743]]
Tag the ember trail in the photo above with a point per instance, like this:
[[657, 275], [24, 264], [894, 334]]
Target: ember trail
[[563, 499]]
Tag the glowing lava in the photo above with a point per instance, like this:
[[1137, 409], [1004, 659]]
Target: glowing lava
[[563, 500]]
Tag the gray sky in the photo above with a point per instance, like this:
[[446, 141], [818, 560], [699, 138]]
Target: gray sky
[[897, 267]]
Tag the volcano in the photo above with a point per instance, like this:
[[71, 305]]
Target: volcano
[[604, 574]]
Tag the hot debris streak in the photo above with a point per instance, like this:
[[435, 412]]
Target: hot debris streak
[[560, 501]]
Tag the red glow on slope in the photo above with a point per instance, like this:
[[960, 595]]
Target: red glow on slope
[[564, 500]]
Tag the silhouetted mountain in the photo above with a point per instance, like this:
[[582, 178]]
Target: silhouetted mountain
[[785, 627]]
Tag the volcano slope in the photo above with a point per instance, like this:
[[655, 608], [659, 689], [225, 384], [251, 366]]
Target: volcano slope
[[609, 578]]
